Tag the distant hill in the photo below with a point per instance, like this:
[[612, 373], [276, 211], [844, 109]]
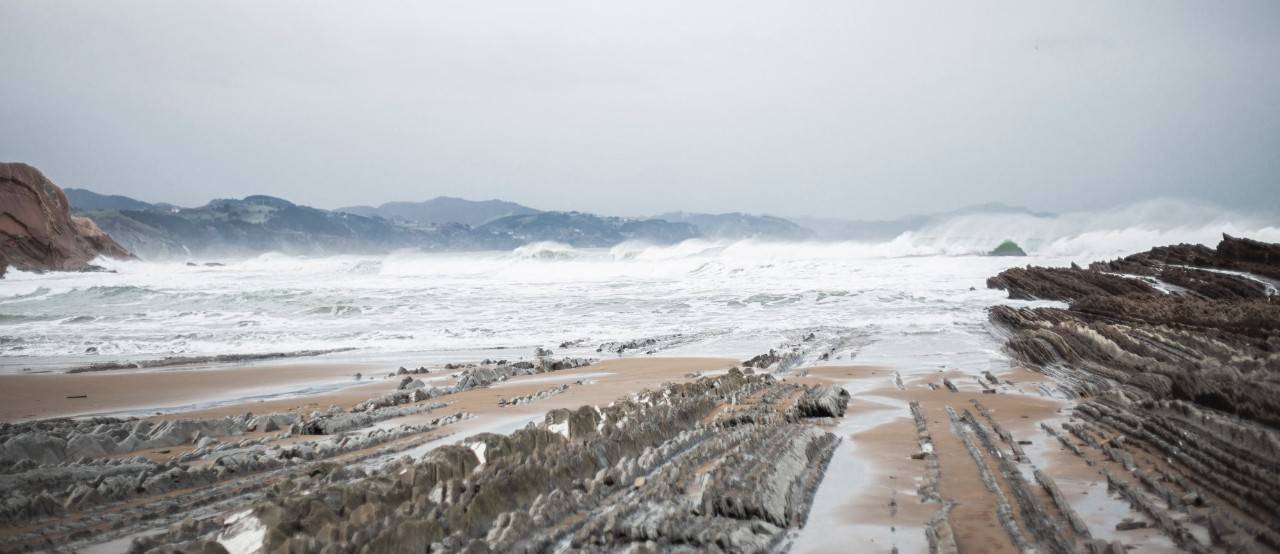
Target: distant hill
[[587, 230], [741, 226], [86, 200], [845, 229], [444, 209], [255, 224]]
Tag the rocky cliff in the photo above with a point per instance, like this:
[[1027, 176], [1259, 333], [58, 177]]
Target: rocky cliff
[[37, 231], [1174, 354]]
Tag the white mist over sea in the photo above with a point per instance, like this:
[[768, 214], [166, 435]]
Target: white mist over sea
[[917, 299]]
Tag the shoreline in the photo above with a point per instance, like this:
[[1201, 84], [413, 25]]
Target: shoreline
[[1068, 447]]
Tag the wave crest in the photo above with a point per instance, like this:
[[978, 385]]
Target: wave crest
[[545, 250]]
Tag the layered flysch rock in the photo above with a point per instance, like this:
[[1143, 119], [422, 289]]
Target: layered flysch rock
[[52, 468], [38, 233], [1175, 354], [723, 464]]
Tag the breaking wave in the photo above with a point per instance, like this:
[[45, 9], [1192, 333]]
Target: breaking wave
[[1095, 234], [545, 293]]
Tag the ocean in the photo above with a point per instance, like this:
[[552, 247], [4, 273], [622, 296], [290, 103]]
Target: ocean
[[916, 301]]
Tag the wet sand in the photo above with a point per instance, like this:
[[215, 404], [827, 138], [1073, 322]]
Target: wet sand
[[880, 508], [45, 395], [868, 501]]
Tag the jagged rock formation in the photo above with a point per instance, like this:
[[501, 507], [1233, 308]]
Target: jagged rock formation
[[1177, 350], [724, 464], [58, 440], [55, 468], [472, 377], [540, 395], [37, 230], [1053, 283], [485, 375]]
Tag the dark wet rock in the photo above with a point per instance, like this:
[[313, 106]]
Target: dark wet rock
[[338, 422], [622, 347], [1188, 371], [764, 361], [540, 395], [1046, 283], [592, 479], [1214, 284], [1130, 524], [483, 376], [1231, 254], [650, 345], [103, 490], [409, 383], [59, 440], [1215, 354], [824, 401]]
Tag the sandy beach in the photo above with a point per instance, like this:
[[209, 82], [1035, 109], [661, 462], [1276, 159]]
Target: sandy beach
[[46, 395], [960, 450], [870, 492]]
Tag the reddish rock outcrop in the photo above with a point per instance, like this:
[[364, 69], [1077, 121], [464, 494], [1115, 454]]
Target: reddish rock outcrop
[[38, 233]]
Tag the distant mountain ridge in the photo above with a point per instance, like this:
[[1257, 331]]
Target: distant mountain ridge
[[736, 225], [86, 200], [588, 230], [444, 209], [256, 224], [260, 223]]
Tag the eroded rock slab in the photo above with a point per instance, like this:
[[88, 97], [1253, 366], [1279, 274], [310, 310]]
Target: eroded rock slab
[[1174, 353], [723, 464]]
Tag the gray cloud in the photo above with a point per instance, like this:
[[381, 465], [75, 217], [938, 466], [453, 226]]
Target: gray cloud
[[859, 109]]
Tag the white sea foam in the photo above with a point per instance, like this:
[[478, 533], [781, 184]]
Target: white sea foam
[[735, 298]]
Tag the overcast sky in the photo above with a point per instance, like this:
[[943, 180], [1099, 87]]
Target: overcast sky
[[855, 109]]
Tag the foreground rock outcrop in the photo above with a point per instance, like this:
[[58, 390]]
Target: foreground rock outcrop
[[38, 233], [723, 464], [1174, 354], [65, 477]]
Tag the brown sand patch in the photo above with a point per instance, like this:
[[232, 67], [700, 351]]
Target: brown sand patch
[[894, 477], [45, 395], [887, 449]]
